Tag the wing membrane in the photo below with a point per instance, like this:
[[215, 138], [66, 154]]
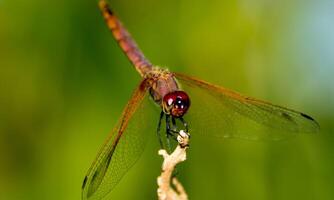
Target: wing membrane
[[225, 113], [122, 148]]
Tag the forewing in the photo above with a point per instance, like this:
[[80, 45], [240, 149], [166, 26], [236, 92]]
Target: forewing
[[122, 148], [221, 112]]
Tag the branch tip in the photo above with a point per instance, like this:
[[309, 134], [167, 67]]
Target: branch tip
[[165, 190]]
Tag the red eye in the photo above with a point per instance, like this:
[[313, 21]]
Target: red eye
[[176, 103]]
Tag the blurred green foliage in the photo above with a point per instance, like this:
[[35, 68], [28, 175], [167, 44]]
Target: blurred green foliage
[[64, 83]]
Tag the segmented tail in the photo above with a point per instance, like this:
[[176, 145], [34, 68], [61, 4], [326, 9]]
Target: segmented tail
[[124, 39]]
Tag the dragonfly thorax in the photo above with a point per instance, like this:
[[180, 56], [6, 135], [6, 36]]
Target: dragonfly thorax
[[160, 82]]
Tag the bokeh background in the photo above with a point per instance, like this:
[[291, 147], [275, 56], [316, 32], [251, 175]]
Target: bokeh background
[[64, 83]]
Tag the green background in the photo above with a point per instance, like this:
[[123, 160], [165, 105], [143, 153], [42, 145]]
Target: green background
[[64, 83]]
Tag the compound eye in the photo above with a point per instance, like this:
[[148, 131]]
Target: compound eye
[[177, 103], [180, 103]]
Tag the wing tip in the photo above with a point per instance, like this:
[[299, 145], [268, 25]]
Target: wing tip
[[315, 124], [84, 182], [84, 195]]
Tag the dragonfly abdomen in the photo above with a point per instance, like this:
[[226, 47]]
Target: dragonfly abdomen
[[161, 82], [124, 40]]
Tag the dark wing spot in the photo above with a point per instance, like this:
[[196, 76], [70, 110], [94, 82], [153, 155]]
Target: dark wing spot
[[84, 182], [306, 116]]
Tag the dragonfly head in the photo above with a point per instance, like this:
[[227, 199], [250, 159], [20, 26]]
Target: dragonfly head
[[176, 103]]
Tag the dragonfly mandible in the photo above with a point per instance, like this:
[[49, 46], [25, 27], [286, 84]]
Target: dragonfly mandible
[[218, 107]]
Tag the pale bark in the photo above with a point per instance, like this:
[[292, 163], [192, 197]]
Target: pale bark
[[166, 186]]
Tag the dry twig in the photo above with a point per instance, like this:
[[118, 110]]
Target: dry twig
[[165, 190]]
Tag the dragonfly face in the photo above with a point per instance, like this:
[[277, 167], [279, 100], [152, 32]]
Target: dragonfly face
[[176, 103]]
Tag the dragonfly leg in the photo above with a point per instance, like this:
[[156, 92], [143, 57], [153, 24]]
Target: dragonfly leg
[[185, 124], [174, 132], [158, 130], [174, 124], [168, 133]]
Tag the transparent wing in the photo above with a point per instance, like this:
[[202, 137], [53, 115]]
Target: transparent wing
[[123, 147], [221, 112]]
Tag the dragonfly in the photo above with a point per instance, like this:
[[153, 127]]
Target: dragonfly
[[218, 112]]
